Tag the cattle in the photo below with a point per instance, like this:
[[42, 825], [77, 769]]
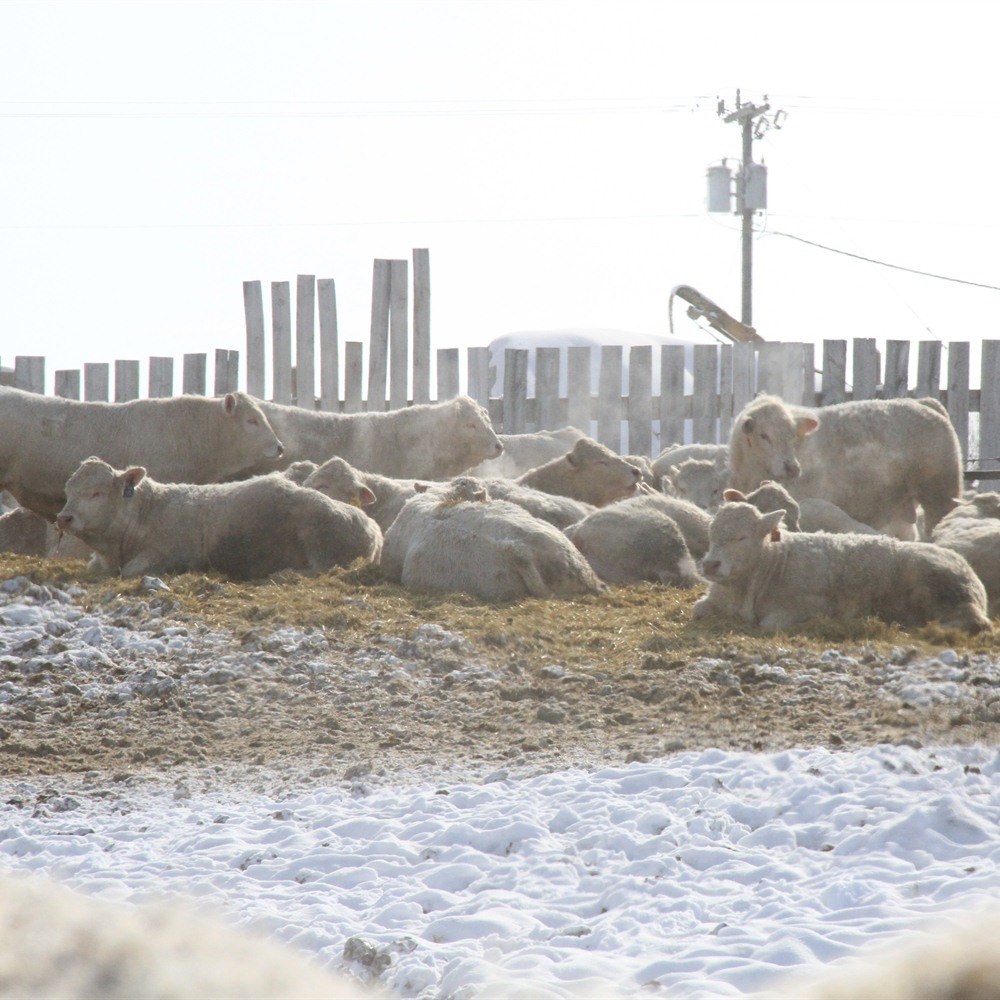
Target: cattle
[[381, 497], [244, 530], [26, 533], [452, 538], [875, 459], [635, 540], [698, 480], [181, 439], [588, 472], [559, 511], [812, 514], [972, 530], [426, 441], [55, 942], [674, 454], [779, 581], [522, 452]]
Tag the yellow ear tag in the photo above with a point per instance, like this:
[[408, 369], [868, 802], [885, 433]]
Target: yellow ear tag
[[356, 502]]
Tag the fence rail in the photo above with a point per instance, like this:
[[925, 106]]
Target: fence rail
[[637, 420]]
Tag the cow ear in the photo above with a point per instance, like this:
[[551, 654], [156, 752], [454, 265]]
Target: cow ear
[[421, 487], [131, 479], [769, 524], [748, 425], [572, 459], [805, 426], [365, 497], [229, 403], [734, 496]]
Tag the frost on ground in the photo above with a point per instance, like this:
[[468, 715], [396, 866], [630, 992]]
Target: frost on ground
[[439, 813]]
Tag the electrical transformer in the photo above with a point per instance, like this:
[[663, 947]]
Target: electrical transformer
[[719, 183]]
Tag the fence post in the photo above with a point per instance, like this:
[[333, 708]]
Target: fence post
[[353, 375], [68, 383], [281, 342], [161, 377], [378, 340], [515, 390], [671, 395], [253, 312], [958, 392], [989, 407], [195, 376], [399, 334], [549, 407], [864, 375], [640, 400], [578, 386], [928, 369], [126, 381], [609, 398], [897, 369], [329, 349], [95, 382], [834, 372], [305, 332], [447, 374], [422, 327], [29, 373], [227, 371], [478, 379]]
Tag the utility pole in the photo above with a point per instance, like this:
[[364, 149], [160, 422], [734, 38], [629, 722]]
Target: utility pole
[[751, 182]]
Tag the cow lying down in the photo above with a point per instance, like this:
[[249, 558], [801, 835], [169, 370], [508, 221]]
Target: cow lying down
[[244, 530], [777, 580], [454, 538]]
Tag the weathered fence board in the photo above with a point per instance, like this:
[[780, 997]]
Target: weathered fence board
[[705, 408], [126, 381], [609, 398], [958, 393], [928, 369], [329, 349], [96, 378], [161, 377], [548, 412], [195, 374], [227, 371], [897, 369], [253, 311], [447, 374], [640, 401], [864, 373], [29, 373], [578, 388], [305, 337], [378, 339], [479, 375], [68, 384], [671, 395], [515, 390], [281, 342], [422, 326], [989, 407], [353, 374], [399, 335]]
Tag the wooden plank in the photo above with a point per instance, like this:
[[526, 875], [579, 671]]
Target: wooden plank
[[68, 383], [126, 381], [378, 341], [770, 368], [989, 407], [399, 334], [194, 380], [834, 387], [928, 369], [329, 348], [447, 374], [609, 398], [865, 371], [578, 389], [744, 376], [161, 377], [253, 311], [305, 341], [515, 391], [640, 401], [281, 342], [725, 391], [672, 411], [897, 369], [704, 410], [29, 373], [353, 375], [478, 380], [549, 411], [422, 327], [809, 373], [227, 371], [958, 392], [96, 381]]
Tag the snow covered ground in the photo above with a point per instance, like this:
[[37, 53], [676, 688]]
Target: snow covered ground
[[703, 874]]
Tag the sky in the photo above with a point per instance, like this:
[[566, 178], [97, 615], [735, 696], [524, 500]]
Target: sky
[[551, 156]]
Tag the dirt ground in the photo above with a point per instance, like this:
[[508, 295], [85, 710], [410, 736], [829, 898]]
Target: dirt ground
[[348, 679]]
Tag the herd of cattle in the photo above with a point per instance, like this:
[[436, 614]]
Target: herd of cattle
[[846, 511]]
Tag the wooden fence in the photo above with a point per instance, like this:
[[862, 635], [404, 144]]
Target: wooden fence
[[724, 377]]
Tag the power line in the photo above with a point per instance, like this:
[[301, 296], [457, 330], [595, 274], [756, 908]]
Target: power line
[[883, 263]]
